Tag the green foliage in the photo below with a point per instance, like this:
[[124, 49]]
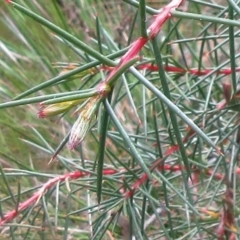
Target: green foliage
[[159, 159]]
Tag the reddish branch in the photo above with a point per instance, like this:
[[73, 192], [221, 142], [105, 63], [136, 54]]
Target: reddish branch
[[34, 199], [196, 72], [173, 69], [36, 196], [152, 31], [173, 168]]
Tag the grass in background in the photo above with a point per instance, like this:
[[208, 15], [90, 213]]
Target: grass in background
[[192, 192]]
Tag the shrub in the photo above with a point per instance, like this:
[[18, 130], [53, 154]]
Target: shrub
[[138, 133]]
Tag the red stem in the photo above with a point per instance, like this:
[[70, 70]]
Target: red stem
[[37, 195], [153, 68], [136, 46], [196, 72]]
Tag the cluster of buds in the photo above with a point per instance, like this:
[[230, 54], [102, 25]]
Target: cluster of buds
[[86, 113]]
